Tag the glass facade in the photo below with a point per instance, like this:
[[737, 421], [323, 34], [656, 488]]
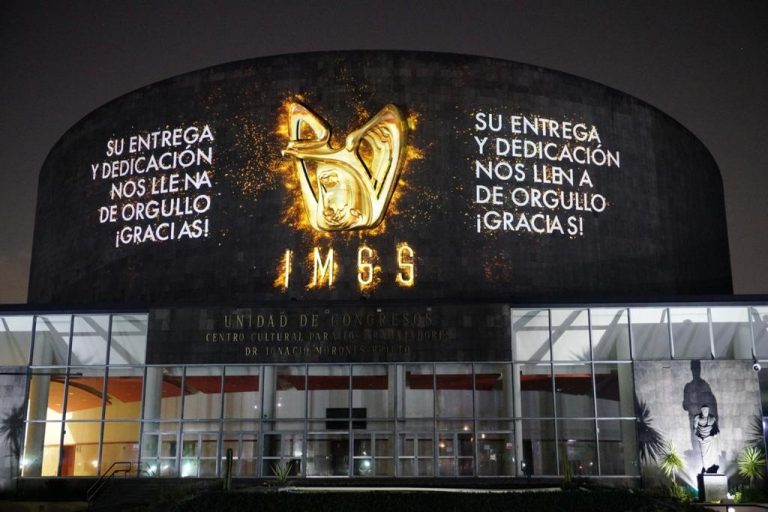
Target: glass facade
[[564, 402]]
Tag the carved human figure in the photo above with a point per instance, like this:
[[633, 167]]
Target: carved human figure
[[706, 431], [696, 392]]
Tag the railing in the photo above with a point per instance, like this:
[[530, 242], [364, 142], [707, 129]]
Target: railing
[[123, 468]]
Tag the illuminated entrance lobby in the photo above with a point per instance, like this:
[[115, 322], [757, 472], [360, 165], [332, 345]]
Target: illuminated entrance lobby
[[567, 395]]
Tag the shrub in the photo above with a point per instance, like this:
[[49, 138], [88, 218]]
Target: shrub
[[752, 464], [670, 462]]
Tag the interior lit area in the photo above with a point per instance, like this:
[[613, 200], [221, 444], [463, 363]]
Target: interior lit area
[[565, 402]]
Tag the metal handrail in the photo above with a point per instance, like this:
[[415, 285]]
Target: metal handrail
[[118, 467]]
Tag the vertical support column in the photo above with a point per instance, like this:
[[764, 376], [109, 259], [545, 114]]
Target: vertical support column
[[39, 388], [268, 394], [153, 395], [511, 410], [518, 412], [395, 385], [395, 391], [35, 438], [626, 403]]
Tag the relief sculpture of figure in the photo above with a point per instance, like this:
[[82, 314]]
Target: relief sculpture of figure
[[706, 431]]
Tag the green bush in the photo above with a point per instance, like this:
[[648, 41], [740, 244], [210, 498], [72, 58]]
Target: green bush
[[671, 462], [752, 464]]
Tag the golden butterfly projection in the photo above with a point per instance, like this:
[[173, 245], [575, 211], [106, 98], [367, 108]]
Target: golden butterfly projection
[[348, 187]]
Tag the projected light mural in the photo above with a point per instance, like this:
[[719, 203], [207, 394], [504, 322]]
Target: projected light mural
[[389, 175]]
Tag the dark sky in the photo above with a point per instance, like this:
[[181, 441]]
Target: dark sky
[[703, 63]]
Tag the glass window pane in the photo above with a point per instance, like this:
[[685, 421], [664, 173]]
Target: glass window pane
[[129, 339], [730, 331], [455, 450], [287, 449], [46, 395], [530, 332], [15, 340], [610, 334], [89, 339], [416, 454], [159, 448], [200, 426], [759, 316], [328, 455], [80, 453], [202, 393], [51, 340], [162, 397], [418, 396], [384, 454], [496, 454], [245, 426], [41, 449], [618, 447], [493, 391], [614, 389], [570, 335], [573, 390], [539, 447], [373, 388], [124, 388], [454, 390], [121, 443], [690, 333], [245, 452], [577, 446], [289, 395], [455, 426], [84, 394], [329, 395], [242, 393], [373, 454], [650, 333], [34, 444], [535, 390], [198, 454], [283, 425], [499, 426]]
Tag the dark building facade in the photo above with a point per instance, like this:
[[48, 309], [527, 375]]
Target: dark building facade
[[378, 264]]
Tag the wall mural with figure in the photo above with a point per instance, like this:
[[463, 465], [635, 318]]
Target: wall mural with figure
[[706, 411]]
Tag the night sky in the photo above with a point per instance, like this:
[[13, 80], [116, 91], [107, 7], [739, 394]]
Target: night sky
[[703, 63]]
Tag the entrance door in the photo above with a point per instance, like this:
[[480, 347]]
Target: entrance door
[[245, 453], [158, 453], [198, 454], [455, 454], [417, 454], [282, 453], [68, 460]]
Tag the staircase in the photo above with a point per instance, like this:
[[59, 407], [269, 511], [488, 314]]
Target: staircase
[[123, 493]]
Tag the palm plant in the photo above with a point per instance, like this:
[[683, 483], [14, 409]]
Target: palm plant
[[752, 464], [755, 433], [12, 428], [671, 462], [650, 440]]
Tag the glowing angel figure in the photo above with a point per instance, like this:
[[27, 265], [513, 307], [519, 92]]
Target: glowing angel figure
[[352, 185]]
